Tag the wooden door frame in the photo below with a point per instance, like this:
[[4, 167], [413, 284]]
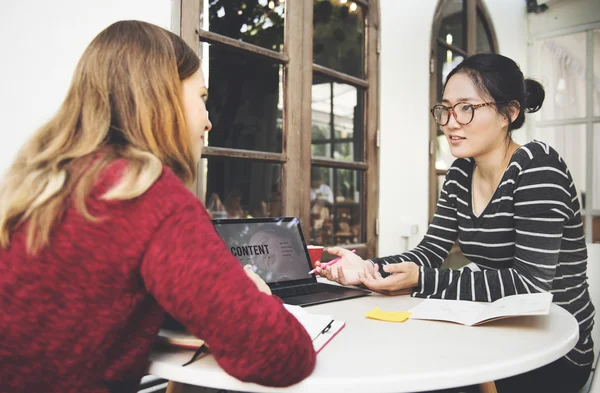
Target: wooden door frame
[[472, 8]]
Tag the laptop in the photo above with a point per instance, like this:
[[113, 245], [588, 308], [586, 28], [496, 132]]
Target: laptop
[[276, 250]]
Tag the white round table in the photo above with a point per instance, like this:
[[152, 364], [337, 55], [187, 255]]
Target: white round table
[[374, 356]]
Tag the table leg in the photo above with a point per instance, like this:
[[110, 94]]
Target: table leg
[[487, 387], [174, 387]]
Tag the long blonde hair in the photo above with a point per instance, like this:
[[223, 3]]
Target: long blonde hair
[[124, 102]]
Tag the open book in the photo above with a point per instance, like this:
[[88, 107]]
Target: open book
[[475, 313], [321, 329]]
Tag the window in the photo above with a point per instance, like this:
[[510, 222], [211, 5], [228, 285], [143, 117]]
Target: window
[[460, 28], [568, 65], [293, 103]]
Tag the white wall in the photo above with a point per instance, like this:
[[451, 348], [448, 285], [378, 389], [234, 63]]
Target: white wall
[[405, 46], [404, 121], [563, 14], [41, 43], [510, 22]]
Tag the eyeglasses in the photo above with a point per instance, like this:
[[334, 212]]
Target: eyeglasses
[[463, 112]]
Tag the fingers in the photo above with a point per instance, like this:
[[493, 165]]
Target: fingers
[[340, 252], [250, 273], [332, 273], [396, 267], [405, 291], [257, 280], [325, 272], [375, 274], [340, 275], [335, 272], [389, 283], [402, 267]]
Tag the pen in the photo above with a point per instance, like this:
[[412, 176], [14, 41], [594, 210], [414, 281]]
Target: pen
[[328, 263], [325, 329]]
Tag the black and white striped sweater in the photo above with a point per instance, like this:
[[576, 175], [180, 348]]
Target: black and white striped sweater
[[528, 239]]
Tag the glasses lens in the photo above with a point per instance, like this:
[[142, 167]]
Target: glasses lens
[[440, 114], [464, 113]]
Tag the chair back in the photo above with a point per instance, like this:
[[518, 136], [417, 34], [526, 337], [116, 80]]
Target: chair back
[[593, 275]]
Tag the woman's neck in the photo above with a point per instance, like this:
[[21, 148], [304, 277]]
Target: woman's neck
[[491, 166]]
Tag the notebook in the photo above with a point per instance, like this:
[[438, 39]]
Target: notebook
[[276, 250], [475, 313], [321, 329]]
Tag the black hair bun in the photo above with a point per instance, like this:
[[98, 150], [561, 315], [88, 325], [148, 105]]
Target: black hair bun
[[534, 95]]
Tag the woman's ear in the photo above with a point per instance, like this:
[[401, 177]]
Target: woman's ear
[[514, 110]]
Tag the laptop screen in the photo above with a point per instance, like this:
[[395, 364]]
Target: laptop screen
[[273, 246]]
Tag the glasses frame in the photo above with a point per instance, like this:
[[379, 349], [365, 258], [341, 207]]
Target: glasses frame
[[451, 110]]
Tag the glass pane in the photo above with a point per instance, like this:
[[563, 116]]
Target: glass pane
[[595, 194], [453, 24], [484, 37], [339, 36], [258, 22], [447, 60], [596, 91], [562, 70], [569, 142], [337, 120], [336, 206], [237, 188], [245, 101]]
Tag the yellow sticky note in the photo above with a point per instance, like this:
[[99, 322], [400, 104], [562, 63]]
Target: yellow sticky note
[[388, 316]]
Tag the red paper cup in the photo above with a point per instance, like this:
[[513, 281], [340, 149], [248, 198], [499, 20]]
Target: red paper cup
[[315, 253]]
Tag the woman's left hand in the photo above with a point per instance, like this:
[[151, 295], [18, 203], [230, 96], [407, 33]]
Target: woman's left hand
[[260, 284], [403, 278]]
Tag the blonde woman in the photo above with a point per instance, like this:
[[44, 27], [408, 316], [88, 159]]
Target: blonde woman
[[99, 235]]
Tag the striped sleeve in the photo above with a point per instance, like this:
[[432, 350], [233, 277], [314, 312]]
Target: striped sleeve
[[441, 234], [542, 206]]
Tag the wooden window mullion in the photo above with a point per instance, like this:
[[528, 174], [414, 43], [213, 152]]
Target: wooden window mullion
[[340, 76], [297, 116], [471, 26], [213, 38], [371, 146]]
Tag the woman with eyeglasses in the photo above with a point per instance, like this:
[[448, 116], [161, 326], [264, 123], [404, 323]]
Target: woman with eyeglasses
[[99, 234], [514, 211]]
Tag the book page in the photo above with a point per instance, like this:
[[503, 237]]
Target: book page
[[525, 304], [459, 311]]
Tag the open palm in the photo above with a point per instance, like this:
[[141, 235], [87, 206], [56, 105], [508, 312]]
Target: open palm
[[348, 270]]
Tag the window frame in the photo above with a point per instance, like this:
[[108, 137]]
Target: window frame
[[297, 60], [589, 120], [472, 9]]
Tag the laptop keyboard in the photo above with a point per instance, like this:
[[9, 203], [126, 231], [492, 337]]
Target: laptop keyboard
[[299, 291]]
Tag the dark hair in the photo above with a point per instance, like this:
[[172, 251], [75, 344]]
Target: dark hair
[[501, 79]]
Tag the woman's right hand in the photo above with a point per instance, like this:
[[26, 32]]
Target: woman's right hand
[[348, 269]]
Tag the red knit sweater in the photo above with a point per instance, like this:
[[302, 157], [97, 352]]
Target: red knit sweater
[[83, 314]]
